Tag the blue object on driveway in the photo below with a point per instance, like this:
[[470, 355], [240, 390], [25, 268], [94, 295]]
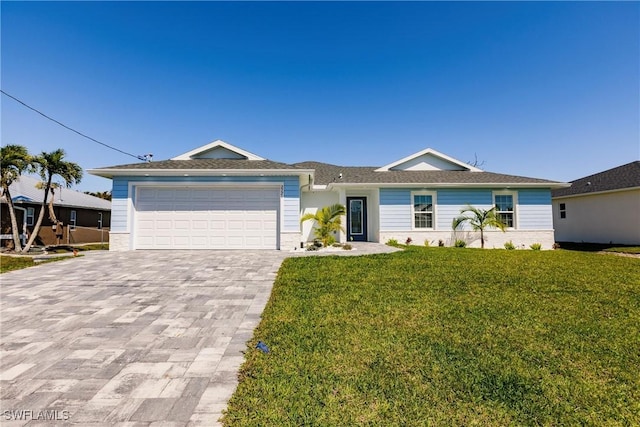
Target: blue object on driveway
[[262, 347]]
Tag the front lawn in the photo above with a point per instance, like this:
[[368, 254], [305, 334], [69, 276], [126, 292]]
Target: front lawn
[[447, 336], [10, 263]]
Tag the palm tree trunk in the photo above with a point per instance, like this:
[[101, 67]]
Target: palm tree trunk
[[482, 238], [14, 222], [36, 228]]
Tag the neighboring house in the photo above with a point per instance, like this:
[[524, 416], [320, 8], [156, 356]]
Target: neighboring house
[[600, 208], [222, 197], [85, 218]]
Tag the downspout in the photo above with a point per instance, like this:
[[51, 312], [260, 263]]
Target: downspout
[[23, 235]]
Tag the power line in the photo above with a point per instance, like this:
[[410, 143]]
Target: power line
[[146, 157]]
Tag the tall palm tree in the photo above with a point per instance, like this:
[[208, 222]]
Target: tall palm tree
[[49, 165], [14, 161], [329, 220], [479, 219]]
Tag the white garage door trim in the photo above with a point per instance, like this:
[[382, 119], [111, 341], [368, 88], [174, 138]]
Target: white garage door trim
[[207, 216]]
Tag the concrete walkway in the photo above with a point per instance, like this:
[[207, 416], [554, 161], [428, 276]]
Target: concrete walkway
[[143, 338]]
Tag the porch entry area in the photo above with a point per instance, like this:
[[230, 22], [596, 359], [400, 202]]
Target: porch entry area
[[356, 219]]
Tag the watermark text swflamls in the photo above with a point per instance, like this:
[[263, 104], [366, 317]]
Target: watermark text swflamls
[[30, 415]]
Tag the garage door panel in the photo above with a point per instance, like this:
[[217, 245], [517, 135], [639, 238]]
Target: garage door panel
[[205, 218]]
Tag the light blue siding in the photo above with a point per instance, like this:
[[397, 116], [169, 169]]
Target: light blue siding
[[451, 201], [534, 209], [395, 209], [291, 196]]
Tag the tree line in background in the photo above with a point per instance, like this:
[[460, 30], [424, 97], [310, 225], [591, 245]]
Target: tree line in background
[[16, 160]]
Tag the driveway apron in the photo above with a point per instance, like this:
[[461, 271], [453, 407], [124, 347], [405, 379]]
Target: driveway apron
[[142, 338]]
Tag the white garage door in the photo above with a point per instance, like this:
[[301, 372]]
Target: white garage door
[[206, 218]]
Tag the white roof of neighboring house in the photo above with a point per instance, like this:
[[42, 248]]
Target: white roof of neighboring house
[[24, 189]]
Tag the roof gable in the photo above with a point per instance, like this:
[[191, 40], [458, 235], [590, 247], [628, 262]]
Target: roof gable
[[218, 150], [428, 160]]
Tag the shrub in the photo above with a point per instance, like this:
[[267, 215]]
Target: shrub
[[441, 243], [329, 240], [460, 243], [427, 243], [509, 246], [536, 246], [347, 247], [337, 245], [408, 241], [392, 242]]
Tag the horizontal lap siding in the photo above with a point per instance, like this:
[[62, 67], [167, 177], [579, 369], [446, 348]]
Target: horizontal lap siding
[[291, 202], [119, 195], [534, 209], [291, 199], [395, 209], [450, 202]]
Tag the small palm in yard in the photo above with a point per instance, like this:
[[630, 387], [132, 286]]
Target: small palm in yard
[[328, 220], [479, 220]]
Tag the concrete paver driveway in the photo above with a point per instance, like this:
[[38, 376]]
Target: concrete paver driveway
[[144, 338]]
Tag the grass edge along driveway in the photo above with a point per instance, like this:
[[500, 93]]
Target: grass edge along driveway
[[447, 336]]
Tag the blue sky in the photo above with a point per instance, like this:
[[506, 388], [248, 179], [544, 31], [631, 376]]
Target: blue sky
[[548, 90]]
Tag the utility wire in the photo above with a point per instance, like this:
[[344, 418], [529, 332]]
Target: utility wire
[[145, 158]]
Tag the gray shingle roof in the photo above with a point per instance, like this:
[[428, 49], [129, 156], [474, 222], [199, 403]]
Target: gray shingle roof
[[227, 164], [625, 176], [327, 173], [25, 188]]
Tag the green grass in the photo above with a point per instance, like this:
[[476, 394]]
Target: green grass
[[447, 336], [624, 249], [597, 247], [10, 263]]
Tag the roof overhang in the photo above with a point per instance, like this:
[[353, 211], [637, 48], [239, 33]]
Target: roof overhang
[[596, 193], [110, 173], [507, 185]]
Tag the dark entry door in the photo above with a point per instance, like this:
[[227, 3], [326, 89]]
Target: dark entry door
[[357, 219]]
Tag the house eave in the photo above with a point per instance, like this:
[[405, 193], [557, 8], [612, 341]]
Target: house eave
[[595, 193], [551, 185], [110, 173]]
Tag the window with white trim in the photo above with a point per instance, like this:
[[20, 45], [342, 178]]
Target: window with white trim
[[505, 208], [72, 220], [31, 214], [423, 207], [563, 210]]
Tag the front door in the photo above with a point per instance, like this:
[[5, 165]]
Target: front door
[[357, 219]]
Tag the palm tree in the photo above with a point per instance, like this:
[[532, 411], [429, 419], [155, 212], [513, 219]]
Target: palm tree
[[479, 219], [14, 160], [329, 220], [49, 165]]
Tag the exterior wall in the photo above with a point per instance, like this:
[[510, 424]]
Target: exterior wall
[[533, 219], [493, 239], [310, 202], [599, 218], [123, 202]]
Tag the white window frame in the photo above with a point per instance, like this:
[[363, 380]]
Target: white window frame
[[31, 215], [99, 220], [73, 218], [434, 200], [514, 198], [563, 210]]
